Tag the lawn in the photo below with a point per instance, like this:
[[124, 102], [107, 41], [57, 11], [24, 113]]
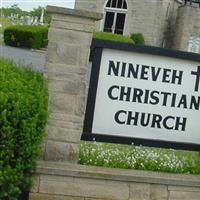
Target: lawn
[[5, 22], [141, 158]]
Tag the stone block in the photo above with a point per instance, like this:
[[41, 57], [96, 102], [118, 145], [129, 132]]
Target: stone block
[[35, 196], [62, 103], [80, 106], [61, 151], [77, 126], [182, 195], [62, 134], [87, 27], [77, 14], [139, 191], [56, 178], [36, 183], [69, 36], [158, 192], [71, 54], [66, 86], [59, 70], [68, 121], [90, 188], [182, 188]]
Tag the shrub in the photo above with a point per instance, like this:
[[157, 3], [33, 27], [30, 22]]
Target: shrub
[[23, 114], [112, 37], [26, 36], [138, 38]]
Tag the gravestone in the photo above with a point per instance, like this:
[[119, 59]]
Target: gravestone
[[27, 20], [35, 20], [42, 17], [22, 19], [32, 19]]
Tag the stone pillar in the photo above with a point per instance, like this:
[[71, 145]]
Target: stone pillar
[[187, 25], [70, 37]]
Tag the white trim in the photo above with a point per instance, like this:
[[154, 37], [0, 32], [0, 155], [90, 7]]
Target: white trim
[[115, 11]]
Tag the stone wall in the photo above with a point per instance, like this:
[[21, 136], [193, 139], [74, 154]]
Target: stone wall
[[154, 19], [187, 25], [151, 18], [61, 181]]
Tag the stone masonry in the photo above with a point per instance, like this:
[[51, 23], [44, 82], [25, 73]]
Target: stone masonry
[[154, 19], [187, 25], [60, 181], [164, 23], [70, 37]]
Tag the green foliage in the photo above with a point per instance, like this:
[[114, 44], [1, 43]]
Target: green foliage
[[5, 22], [142, 158], [23, 115], [13, 9], [38, 11], [26, 36], [112, 37], [138, 38]]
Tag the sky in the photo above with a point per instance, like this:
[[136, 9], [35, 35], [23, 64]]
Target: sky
[[30, 4]]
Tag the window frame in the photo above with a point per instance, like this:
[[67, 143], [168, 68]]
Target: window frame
[[115, 11]]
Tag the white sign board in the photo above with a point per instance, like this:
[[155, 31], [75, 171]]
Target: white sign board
[[147, 97]]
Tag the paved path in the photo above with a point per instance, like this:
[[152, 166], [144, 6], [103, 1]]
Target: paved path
[[25, 57]]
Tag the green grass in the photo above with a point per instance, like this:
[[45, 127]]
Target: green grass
[[140, 158], [5, 22]]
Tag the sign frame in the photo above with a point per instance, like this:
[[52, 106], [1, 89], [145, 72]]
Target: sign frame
[[98, 46]]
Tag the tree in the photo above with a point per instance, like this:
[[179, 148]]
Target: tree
[[13, 9]]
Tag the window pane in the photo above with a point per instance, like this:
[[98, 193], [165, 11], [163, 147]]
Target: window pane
[[125, 5], [109, 21], [119, 28], [114, 2], [119, 4], [108, 4]]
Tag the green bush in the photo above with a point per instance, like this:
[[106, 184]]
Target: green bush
[[138, 38], [23, 115], [112, 37], [26, 36]]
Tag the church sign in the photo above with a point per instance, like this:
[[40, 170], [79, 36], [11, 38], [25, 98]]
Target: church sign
[[144, 95]]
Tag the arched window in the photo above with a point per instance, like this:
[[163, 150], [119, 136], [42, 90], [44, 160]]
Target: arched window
[[115, 16]]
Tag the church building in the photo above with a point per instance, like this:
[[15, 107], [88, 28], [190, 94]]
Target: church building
[[164, 23]]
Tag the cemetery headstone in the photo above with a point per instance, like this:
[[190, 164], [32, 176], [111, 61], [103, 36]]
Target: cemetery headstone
[[42, 17]]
